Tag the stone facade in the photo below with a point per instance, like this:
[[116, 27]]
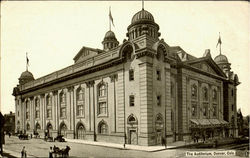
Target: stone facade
[[139, 92]]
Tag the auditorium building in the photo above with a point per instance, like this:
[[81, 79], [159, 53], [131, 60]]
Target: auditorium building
[[140, 91]]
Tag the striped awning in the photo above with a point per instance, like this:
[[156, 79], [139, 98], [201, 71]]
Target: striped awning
[[207, 123]]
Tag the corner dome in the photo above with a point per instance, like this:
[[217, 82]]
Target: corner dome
[[25, 77], [142, 16], [221, 59]]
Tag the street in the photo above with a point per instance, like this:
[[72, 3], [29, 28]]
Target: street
[[40, 148]]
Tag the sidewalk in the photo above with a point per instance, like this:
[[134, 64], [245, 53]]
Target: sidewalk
[[15, 154], [129, 146]]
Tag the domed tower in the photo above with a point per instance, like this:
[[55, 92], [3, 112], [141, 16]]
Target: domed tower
[[143, 23], [25, 77], [222, 61], [109, 41]]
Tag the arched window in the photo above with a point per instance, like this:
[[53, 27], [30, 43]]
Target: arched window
[[80, 99], [103, 128], [63, 129], [102, 90], [37, 108], [38, 127], [102, 99], [48, 106], [28, 126], [194, 91], [132, 119], [81, 131], [62, 104], [205, 94]]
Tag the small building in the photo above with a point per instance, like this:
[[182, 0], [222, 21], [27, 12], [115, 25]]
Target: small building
[[9, 126]]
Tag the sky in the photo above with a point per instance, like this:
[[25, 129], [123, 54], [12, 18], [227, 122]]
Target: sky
[[52, 32]]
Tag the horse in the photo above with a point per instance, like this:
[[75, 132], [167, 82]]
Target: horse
[[64, 153]]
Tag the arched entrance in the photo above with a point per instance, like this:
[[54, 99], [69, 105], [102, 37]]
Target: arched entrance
[[132, 130], [80, 131], [63, 129], [159, 128]]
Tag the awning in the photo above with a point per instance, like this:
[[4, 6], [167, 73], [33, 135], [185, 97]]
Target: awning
[[224, 123], [215, 122], [207, 123]]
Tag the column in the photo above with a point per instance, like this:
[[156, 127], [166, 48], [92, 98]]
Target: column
[[89, 85], [55, 107], [113, 78], [71, 114]]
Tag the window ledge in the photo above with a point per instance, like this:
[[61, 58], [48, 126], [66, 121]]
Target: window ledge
[[102, 115]]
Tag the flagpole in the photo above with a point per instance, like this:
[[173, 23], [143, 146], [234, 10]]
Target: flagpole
[[109, 20], [220, 43], [26, 62], [142, 4]]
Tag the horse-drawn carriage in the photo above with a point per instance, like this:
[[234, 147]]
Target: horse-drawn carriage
[[49, 139], [62, 153], [59, 138], [23, 136]]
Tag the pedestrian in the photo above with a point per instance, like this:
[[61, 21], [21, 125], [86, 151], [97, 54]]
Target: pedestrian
[[9, 134], [23, 153], [204, 138], [163, 142], [50, 152], [30, 136]]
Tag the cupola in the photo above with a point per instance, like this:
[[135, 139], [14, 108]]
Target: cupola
[[109, 41], [26, 77], [143, 23]]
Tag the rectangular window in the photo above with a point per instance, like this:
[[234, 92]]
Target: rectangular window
[[232, 107], [205, 109], [102, 108], [63, 112], [194, 109], [131, 75], [80, 110], [131, 100], [37, 114], [49, 112], [158, 75], [18, 113], [158, 100], [232, 92], [27, 115], [214, 111]]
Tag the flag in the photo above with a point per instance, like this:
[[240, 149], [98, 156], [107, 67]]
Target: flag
[[110, 17], [27, 60], [219, 41]]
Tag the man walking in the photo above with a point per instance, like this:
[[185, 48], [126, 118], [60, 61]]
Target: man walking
[[23, 153]]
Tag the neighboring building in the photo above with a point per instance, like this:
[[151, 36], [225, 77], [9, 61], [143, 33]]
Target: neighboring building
[[137, 92], [9, 126], [2, 141]]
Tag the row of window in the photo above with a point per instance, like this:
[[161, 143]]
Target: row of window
[[205, 112], [194, 93]]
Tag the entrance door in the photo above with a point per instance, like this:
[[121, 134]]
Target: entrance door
[[133, 137], [158, 137]]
